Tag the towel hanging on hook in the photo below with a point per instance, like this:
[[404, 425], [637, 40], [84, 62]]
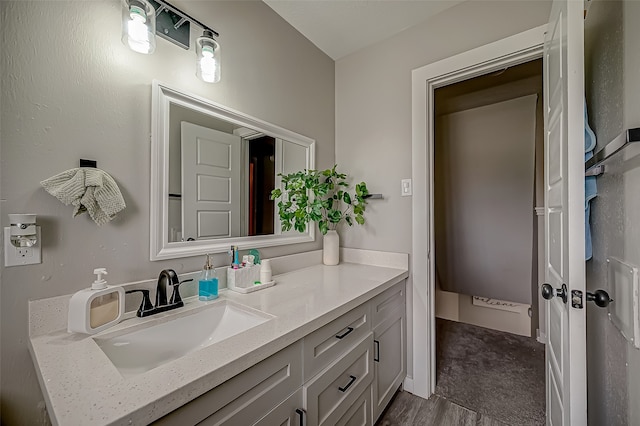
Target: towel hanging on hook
[[88, 189]]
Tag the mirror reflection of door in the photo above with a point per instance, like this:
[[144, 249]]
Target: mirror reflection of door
[[210, 182], [227, 196], [214, 207], [290, 158]]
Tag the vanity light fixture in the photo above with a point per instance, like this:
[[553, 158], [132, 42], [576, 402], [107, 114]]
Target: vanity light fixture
[[208, 51], [142, 20], [139, 25]]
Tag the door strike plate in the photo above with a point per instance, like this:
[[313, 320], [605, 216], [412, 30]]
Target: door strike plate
[[576, 299]]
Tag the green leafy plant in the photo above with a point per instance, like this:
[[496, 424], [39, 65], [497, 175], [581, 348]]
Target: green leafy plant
[[319, 196]]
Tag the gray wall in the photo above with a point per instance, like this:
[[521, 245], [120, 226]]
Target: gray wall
[[71, 89], [483, 194], [516, 81], [612, 79], [373, 110]]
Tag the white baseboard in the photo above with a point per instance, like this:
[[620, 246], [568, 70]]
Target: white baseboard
[[408, 384], [541, 337]]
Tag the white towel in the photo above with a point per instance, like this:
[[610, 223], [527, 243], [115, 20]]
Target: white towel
[[89, 190]]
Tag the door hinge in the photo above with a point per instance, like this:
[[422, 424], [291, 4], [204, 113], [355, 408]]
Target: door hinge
[[576, 299]]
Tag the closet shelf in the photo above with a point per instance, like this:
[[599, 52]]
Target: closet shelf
[[594, 166]]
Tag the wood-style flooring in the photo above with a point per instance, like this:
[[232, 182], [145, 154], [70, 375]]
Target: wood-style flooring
[[410, 410]]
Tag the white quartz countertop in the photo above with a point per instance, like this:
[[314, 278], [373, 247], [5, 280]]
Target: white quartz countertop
[[81, 385]]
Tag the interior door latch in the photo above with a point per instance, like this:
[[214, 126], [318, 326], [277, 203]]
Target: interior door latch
[[576, 299]]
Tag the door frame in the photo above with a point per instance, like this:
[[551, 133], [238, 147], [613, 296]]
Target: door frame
[[510, 51]]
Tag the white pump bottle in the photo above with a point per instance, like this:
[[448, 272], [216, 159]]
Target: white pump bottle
[[97, 308]]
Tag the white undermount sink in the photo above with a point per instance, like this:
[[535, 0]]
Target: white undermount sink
[[144, 349]]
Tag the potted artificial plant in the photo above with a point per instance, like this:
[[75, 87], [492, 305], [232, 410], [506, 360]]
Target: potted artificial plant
[[322, 197]]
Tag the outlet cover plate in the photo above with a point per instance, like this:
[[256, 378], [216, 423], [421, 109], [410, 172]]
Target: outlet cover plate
[[14, 256], [624, 311]]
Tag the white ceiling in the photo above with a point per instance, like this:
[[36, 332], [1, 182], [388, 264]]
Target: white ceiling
[[341, 27]]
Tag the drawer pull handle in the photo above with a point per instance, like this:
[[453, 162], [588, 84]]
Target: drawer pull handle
[[302, 415], [351, 380], [349, 330], [376, 356]]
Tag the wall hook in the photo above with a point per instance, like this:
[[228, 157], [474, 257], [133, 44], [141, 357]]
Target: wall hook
[[88, 163]]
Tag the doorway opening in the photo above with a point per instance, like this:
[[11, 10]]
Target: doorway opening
[[489, 58], [262, 175], [488, 177]]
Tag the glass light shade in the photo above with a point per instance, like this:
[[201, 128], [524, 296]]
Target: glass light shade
[[139, 26], [208, 51]]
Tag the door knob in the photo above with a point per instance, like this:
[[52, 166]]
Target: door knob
[[548, 292], [600, 298]]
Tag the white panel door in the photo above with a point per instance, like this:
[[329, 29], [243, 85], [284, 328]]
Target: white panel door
[[210, 182], [290, 158], [564, 214]]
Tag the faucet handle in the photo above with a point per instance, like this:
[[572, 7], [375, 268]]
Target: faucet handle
[[175, 296], [145, 305]]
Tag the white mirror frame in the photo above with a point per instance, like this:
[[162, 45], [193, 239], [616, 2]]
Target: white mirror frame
[[161, 99]]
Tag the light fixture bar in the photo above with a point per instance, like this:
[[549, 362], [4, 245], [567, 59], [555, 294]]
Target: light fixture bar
[[142, 20], [186, 16], [180, 22], [174, 25]]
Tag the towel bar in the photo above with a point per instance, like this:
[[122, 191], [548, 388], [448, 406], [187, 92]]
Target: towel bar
[[593, 167]]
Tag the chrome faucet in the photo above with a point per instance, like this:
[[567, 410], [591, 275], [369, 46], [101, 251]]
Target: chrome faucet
[[167, 277]]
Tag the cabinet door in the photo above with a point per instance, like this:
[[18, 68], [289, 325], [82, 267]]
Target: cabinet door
[[247, 397], [289, 413], [329, 395], [359, 414], [389, 350]]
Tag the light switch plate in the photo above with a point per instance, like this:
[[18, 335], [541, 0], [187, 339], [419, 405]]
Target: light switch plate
[[406, 189], [14, 256]]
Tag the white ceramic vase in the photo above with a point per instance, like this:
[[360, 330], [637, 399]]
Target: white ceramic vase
[[331, 248]]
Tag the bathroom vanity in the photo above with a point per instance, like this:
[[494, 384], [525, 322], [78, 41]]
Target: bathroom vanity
[[332, 351]]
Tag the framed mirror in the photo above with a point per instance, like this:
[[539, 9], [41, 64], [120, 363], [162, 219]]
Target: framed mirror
[[212, 172]]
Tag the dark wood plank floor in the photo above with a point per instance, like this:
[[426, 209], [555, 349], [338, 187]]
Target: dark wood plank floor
[[410, 410]]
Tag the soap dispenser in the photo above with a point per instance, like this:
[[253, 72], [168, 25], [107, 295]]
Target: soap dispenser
[[208, 282], [94, 309]]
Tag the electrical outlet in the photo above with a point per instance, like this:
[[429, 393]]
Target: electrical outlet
[[24, 252], [18, 256]]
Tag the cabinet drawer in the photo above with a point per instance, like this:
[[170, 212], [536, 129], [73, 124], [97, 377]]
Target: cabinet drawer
[[359, 414], [288, 413], [385, 304], [331, 341], [247, 397], [330, 394]]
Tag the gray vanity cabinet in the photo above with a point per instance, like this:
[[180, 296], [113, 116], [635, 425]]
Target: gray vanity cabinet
[[247, 397], [390, 346], [343, 373]]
